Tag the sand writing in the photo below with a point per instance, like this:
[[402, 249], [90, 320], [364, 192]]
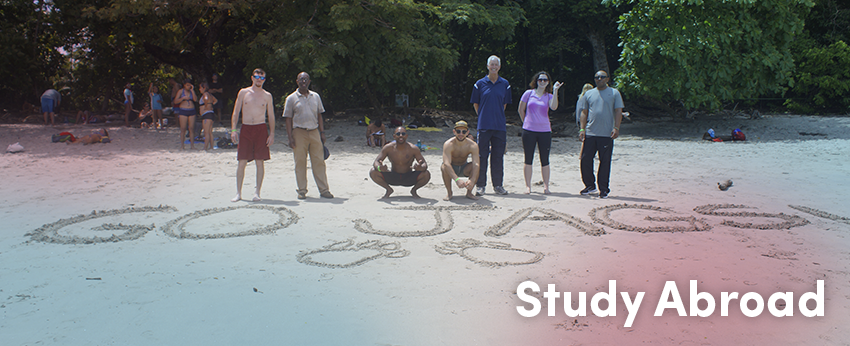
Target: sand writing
[[510, 222], [49, 233], [790, 220], [443, 223], [603, 215], [380, 249], [821, 214], [461, 248], [176, 227]]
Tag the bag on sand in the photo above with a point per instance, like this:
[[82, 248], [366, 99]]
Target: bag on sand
[[738, 135], [15, 148], [225, 143]]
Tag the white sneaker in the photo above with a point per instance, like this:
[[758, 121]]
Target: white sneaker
[[479, 191]]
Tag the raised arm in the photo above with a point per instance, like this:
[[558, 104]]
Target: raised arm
[[553, 103]]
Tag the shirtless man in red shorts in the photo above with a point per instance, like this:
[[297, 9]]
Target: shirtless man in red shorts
[[254, 103]]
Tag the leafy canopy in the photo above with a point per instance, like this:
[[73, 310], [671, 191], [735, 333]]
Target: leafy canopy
[[703, 53]]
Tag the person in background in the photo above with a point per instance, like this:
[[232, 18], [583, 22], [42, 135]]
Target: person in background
[[216, 91], [146, 117], [207, 114], [185, 110], [534, 109], [584, 89], [50, 100], [156, 105], [128, 103], [376, 134]]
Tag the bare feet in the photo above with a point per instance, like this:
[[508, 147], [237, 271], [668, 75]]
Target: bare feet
[[448, 197], [389, 192], [413, 193], [257, 196], [546, 191], [471, 195], [527, 190], [237, 198]]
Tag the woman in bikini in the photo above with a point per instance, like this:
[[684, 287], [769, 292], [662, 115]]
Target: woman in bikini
[[185, 101], [207, 113]]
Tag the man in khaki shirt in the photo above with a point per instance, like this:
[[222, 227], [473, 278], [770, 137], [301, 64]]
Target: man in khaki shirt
[[255, 104], [303, 115]]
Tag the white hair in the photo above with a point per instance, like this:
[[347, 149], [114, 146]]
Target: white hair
[[493, 57]]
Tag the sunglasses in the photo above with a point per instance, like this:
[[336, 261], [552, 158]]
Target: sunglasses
[[463, 132], [401, 133], [600, 77], [542, 80], [260, 77]]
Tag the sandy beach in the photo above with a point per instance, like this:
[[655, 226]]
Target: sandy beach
[[136, 242]]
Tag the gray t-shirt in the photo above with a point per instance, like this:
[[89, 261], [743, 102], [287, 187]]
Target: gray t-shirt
[[52, 94], [600, 114]]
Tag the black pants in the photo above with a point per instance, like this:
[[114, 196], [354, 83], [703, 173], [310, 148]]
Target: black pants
[[605, 147], [541, 140]]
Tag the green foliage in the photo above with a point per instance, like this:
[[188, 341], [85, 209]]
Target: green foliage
[[30, 61], [823, 76], [703, 53], [557, 42]]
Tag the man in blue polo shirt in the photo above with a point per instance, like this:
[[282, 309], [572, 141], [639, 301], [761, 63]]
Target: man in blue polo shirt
[[490, 96]]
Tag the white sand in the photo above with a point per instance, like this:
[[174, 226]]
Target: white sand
[[373, 289]]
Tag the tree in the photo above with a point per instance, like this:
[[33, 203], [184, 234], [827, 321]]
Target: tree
[[30, 59], [571, 39], [704, 53]]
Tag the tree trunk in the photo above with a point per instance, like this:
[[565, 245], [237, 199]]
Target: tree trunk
[[376, 104], [597, 40]]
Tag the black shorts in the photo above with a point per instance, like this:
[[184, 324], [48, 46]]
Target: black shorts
[[208, 115], [403, 179]]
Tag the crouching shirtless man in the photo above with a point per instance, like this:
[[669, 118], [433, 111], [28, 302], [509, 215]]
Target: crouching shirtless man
[[401, 154], [455, 165]]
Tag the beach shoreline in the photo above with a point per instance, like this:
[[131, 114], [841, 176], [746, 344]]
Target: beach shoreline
[[136, 242]]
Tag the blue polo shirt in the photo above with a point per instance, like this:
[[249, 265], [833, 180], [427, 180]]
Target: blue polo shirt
[[491, 99]]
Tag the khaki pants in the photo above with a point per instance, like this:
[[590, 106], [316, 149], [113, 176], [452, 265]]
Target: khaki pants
[[309, 141]]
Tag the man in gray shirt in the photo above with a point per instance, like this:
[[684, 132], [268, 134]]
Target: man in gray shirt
[[600, 125], [49, 105]]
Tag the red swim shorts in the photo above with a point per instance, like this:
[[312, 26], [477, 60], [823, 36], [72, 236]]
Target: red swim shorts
[[252, 143]]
